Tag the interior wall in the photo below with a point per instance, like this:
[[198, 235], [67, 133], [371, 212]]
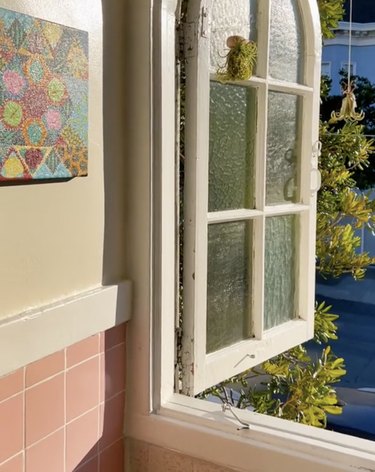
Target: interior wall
[[51, 234], [61, 238]]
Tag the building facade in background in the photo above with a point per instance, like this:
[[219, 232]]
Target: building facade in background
[[335, 51]]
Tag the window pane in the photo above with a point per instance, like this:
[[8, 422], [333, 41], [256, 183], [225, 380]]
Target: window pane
[[232, 140], [230, 17], [286, 41], [282, 149], [280, 262], [228, 284]]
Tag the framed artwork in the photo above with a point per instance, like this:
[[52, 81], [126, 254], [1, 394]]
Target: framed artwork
[[43, 99]]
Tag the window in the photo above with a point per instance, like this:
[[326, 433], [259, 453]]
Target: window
[[249, 202], [353, 67], [155, 413], [326, 69]]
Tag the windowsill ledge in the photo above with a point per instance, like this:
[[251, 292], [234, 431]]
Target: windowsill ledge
[[36, 333], [184, 424]]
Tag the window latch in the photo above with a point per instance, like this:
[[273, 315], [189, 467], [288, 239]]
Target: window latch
[[316, 178], [227, 406]]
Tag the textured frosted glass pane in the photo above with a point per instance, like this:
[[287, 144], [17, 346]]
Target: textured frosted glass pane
[[286, 43], [228, 284], [282, 149], [230, 17], [232, 137], [279, 305]]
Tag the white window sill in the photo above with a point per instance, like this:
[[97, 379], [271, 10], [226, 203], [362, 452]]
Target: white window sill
[[36, 333], [201, 429]]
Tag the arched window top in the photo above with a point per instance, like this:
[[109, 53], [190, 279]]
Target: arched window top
[[277, 26], [229, 18], [249, 193], [286, 41]]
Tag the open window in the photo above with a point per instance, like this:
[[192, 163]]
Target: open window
[[250, 181]]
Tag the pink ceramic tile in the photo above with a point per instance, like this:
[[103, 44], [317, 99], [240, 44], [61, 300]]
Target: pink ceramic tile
[[114, 371], [11, 384], [112, 458], [44, 409], [47, 455], [115, 335], [112, 421], [11, 427], [44, 368], [102, 378], [13, 465], [82, 388], [83, 350], [82, 440], [91, 466]]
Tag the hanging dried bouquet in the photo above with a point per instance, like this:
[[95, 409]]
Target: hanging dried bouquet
[[240, 60]]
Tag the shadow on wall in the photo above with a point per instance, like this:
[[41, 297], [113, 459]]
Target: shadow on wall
[[114, 109]]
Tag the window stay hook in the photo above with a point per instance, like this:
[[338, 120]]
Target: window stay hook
[[227, 406]]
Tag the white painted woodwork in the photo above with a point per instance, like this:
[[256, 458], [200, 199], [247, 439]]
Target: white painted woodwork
[[201, 370], [38, 332]]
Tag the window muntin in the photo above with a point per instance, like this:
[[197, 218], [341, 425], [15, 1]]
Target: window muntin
[[248, 205]]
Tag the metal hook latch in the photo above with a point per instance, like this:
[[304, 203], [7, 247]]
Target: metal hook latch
[[227, 406], [316, 178]]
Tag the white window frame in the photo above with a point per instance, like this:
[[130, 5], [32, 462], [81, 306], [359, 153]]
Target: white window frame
[[202, 370], [155, 414], [328, 64], [345, 64]]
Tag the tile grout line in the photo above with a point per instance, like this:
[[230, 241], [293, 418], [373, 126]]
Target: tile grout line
[[8, 459], [56, 373], [36, 384], [43, 438], [82, 362], [121, 392], [116, 345], [20, 392], [122, 437], [81, 415]]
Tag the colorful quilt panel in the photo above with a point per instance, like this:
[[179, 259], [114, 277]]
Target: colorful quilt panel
[[43, 99]]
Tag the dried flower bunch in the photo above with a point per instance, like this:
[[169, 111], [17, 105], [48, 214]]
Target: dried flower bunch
[[240, 60], [348, 107]]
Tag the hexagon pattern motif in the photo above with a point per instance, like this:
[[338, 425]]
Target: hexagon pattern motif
[[43, 99]]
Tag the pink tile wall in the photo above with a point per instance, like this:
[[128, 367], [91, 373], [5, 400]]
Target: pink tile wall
[[64, 413]]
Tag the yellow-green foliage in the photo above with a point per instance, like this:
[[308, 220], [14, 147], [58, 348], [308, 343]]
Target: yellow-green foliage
[[324, 328], [304, 391], [294, 386], [331, 12], [240, 60], [343, 151]]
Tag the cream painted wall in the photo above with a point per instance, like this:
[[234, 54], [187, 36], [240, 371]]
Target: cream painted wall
[[53, 237]]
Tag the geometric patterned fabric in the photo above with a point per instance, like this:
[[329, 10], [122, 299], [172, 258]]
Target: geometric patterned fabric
[[43, 99]]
